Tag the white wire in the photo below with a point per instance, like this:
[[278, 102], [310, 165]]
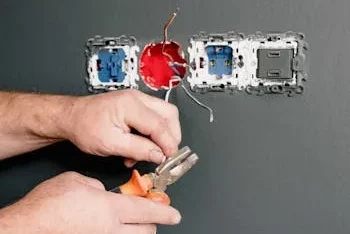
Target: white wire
[[167, 94], [211, 113], [171, 81]]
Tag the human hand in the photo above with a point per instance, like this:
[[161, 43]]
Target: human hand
[[101, 125], [72, 203]]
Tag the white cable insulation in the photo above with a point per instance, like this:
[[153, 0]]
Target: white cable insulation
[[167, 94]]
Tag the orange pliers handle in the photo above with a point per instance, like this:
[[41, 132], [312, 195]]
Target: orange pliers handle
[[142, 186]]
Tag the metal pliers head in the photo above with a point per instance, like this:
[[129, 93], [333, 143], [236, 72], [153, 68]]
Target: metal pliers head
[[173, 168], [154, 184]]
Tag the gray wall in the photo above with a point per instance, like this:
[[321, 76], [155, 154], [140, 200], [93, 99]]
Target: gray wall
[[267, 164]]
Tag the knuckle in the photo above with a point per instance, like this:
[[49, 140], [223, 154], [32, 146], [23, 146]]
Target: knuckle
[[162, 126], [64, 182], [102, 147], [96, 183], [127, 100], [178, 139], [74, 180], [122, 96], [174, 111], [133, 92], [84, 147], [130, 93], [71, 175]]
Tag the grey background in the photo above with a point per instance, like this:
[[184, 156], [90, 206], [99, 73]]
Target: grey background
[[267, 164]]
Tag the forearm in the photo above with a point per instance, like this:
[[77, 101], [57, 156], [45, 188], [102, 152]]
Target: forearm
[[31, 121]]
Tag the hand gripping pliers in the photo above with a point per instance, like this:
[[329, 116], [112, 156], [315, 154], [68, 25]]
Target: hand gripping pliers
[[153, 185]]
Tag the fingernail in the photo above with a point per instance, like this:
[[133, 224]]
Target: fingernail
[[157, 156], [129, 163]]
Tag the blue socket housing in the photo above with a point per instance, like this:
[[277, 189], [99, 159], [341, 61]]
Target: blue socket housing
[[220, 60], [109, 65]]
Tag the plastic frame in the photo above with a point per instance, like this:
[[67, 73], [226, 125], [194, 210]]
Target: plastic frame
[[245, 63], [129, 65]]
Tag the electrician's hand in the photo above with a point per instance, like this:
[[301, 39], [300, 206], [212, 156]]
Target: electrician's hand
[[72, 203], [101, 125]]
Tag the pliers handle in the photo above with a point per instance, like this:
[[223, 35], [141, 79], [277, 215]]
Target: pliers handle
[[142, 186], [154, 184]]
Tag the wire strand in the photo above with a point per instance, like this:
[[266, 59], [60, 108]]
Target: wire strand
[[211, 113], [167, 24], [178, 79]]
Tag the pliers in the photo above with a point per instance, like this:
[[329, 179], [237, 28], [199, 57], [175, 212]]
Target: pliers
[[153, 185]]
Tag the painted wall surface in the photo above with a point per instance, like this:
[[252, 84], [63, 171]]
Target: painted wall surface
[[267, 164]]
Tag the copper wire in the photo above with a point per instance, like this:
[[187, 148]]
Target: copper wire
[[167, 24]]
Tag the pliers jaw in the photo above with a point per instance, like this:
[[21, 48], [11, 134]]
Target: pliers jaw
[[154, 184], [173, 168]]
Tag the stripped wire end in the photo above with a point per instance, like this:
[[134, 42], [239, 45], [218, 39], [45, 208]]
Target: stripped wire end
[[167, 24]]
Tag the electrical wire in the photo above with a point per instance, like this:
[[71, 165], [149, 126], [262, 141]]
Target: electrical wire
[[173, 65], [171, 86], [167, 24]]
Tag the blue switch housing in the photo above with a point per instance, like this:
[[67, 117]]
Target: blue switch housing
[[219, 60], [109, 65]]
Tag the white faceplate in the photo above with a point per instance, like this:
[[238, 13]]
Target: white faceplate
[[245, 77]]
